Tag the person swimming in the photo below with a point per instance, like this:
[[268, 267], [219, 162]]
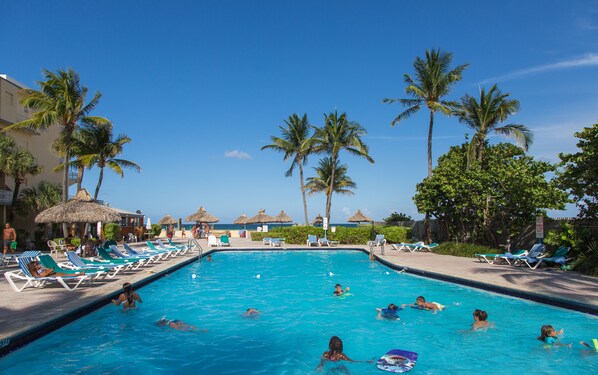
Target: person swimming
[[335, 354], [549, 336], [480, 320], [251, 312], [391, 312], [338, 290], [178, 325], [128, 297], [420, 302]]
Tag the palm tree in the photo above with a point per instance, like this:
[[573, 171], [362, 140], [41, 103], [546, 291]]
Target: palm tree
[[342, 184], [433, 81], [34, 199], [60, 101], [336, 135], [104, 151], [79, 147], [295, 143], [485, 116], [19, 164]]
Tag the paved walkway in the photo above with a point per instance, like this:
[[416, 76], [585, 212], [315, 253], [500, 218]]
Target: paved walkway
[[35, 309]]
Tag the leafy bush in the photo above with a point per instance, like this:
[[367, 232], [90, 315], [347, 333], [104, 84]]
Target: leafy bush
[[76, 241], [464, 249], [347, 236], [112, 231], [156, 230], [395, 234], [587, 261]]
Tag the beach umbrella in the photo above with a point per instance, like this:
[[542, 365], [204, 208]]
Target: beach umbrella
[[282, 217], [167, 220], [79, 209], [260, 218], [359, 218], [318, 220], [241, 220], [202, 217], [148, 224]]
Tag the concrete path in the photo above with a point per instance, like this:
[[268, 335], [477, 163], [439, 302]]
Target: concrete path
[[38, 309]]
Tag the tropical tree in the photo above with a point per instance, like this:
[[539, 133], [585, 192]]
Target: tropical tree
[[37, 199], [338, 134], [104, 151], [19, 164], [60, 101], [485, 116], [433, 81], [330, 179], [296, 143], [79, 147]]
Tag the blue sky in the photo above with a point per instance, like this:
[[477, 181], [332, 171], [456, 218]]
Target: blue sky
[[200, 86]]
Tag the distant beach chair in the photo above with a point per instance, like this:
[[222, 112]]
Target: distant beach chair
[[312, 239], [133, 263], [212, 241], [267, 240], [412, 247], [81, 263], [491, 258], [224, 240], [326, 242], [133, 255], [274, 242], [154, 255], [559, 257]]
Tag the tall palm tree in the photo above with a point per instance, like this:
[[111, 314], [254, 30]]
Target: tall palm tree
[[323, 182], [485, 115], [433, 80], [79, 147], [37, 199], [296, 143], [338, 134], [105, 150], [60, 101]]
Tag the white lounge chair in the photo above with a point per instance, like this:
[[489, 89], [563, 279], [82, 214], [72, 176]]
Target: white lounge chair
[[407, 246], [56, 248], [327, 242], [274, 242], [312, 239], [23, 274], [212, 241], [378, 241]]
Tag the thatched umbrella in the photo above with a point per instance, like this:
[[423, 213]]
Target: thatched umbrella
[[282, 217], [167, 220], [80, 209], [359, 218], [318, 220], [260, 218], [241, 220], [202, 217]]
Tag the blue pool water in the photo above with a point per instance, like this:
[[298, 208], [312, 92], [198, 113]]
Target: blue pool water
[[299, 315]]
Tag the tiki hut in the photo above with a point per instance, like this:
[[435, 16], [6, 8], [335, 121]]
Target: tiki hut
[[282, 217], [359, 218], [167, 220], [202, 217], [260, 218], [318, 220], [80, 209]]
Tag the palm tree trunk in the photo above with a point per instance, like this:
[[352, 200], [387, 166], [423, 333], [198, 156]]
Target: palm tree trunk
[[427, 231], [65, 182], [303, 194], [330, 187], [80, 171], [95, 196], [15, 196]]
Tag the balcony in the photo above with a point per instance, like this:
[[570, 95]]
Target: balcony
[[5, 197]]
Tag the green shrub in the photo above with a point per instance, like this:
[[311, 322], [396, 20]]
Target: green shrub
[[464, 249], [297, 235], [395, 234], [112, 231], [76, 241], [587, 261], [156, 230]]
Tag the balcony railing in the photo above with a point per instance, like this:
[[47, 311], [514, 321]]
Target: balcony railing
[[5, 197]]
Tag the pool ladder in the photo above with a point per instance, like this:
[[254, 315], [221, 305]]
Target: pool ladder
[[193, 242]]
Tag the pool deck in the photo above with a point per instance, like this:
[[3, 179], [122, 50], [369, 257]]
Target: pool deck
[[35, 312]]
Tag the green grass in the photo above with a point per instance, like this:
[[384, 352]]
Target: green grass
[[464, 249]]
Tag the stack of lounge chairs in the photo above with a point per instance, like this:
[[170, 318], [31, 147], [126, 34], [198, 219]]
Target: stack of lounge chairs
[[76, 271]]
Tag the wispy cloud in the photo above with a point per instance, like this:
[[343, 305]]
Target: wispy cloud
[[237, 154], [590, 59], [347, 211]]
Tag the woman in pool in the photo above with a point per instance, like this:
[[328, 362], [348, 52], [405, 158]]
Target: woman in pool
[[550, 337], [480, 320], [338, 290], [389, 313], [37, 270], [335, 354], [178, 325], [128, 297], [251, 312], [420, 302]]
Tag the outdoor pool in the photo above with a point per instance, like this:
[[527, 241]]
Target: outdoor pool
[[299, 315]]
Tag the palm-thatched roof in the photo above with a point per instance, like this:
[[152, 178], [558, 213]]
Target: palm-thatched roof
[[282, 217], [359, 218], [260, 218], [201, 216], [318, 220], [80, 209], [241, 220], [167, 220]]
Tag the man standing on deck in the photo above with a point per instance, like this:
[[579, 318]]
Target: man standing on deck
[[10, 236]]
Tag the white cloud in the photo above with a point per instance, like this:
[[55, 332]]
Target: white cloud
[[347, 211], [590, 59], [237, 154]]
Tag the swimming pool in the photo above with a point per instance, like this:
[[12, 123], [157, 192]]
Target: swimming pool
[[299, 315]]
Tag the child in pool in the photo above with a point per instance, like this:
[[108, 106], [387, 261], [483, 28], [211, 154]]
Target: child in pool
[[128, 297], [178, 325], [389, 313], [550, 337], [335, 354], [480, 320], [252, 312], [421, 302], [338, 290]]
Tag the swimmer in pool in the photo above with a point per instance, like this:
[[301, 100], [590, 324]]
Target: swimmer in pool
[[480, 320], [251, 312], [178, 325], [388, 313], [549, 336], [335, 354], [421, 302], [128, 297], [338, 290]]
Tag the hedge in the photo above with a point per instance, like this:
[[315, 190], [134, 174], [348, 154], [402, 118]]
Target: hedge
[[297, 235]]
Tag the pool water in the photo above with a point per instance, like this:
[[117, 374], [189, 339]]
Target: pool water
[[299, 315]]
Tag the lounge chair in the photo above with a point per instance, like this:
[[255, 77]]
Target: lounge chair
[[559, 257], [152, 255], [152, 249], [148, 258], [326, 242], [407, 246], [81, 263], [212, 241], [39, 282], [512, 259], [312, 239], [224, 241], [134, 263], [25, 254], [56, 248], [378, 241], [428, 247], [274, 242], [491, 258], [49, 262], [267, 240], [180, 249]]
